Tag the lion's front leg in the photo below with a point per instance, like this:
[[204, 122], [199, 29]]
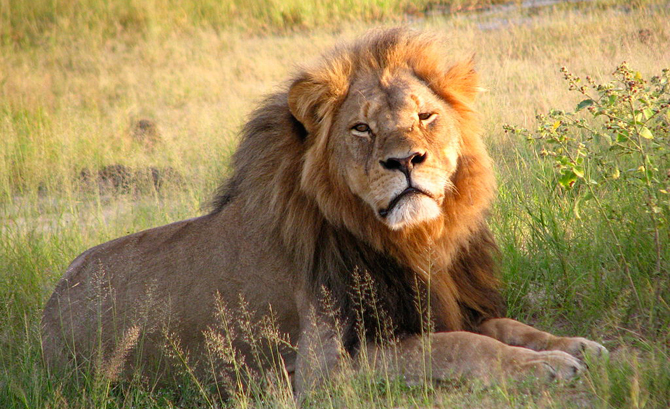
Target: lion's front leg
[[512, 332], [450, 355], [320, 352]]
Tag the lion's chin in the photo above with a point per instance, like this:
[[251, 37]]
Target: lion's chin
[[411, 210]]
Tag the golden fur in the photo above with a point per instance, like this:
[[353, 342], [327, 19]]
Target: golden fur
[[369, 165]]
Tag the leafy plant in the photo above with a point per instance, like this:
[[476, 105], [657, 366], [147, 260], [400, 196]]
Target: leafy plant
[[616, 139]]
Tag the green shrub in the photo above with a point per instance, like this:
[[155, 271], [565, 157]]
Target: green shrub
[[611, 161]]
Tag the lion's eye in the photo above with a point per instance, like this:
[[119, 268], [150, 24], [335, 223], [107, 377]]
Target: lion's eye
[[427, 117], [361, 128]]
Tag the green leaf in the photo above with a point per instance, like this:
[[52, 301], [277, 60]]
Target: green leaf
[[646, 133], [578, 171], [648, 113], [567, 179], [584, 104]]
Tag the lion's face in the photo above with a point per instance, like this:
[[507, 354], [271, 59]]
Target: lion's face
[[397, 144]]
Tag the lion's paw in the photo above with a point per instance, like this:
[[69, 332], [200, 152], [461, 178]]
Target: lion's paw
[[579, 347], [554, 365]]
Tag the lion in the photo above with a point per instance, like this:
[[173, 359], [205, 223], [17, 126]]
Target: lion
[[369, 163]]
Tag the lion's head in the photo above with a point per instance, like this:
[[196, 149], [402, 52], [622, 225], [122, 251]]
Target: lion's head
[[396, 144], [372, 160], [387, 120]]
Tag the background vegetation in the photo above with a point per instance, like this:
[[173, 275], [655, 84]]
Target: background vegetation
[[120, 116], [29, 22]]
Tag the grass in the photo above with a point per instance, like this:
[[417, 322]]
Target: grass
[[26, 23], [75, 81]]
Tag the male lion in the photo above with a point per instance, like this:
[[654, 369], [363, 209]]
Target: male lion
[[369, 167]]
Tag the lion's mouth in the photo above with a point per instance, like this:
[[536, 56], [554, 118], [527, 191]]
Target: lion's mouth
[[410, 191]]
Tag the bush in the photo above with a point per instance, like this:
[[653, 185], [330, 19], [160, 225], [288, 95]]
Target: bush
[[611, 160]]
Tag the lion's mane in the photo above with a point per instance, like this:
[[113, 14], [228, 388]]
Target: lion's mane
[[289, 180]]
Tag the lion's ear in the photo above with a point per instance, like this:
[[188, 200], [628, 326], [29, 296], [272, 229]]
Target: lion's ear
[[305, 97], [461, 80], [315, 92]]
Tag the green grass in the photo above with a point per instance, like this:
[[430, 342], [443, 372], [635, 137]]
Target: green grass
[[27, 23], [75, 80]]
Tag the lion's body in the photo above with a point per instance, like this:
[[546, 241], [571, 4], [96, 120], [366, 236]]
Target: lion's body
[[369, 165], [170, 278]]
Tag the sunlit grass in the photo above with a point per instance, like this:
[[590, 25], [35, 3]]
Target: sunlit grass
[[26, 23], [75, 81]]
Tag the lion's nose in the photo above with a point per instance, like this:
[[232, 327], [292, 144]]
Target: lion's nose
[[406, 164]]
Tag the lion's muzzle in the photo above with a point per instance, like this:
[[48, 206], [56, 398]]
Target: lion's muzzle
[[405, 193]]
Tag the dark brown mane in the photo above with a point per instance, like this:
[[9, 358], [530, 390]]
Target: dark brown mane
[[281, 175], [377, 297]]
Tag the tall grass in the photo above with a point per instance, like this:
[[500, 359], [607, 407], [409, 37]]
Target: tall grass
[[31, 22], [75, 81]]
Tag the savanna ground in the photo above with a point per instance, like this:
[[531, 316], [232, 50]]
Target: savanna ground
[[581, 218]]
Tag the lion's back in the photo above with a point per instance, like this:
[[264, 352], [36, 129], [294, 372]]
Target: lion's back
[[158, 280]]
